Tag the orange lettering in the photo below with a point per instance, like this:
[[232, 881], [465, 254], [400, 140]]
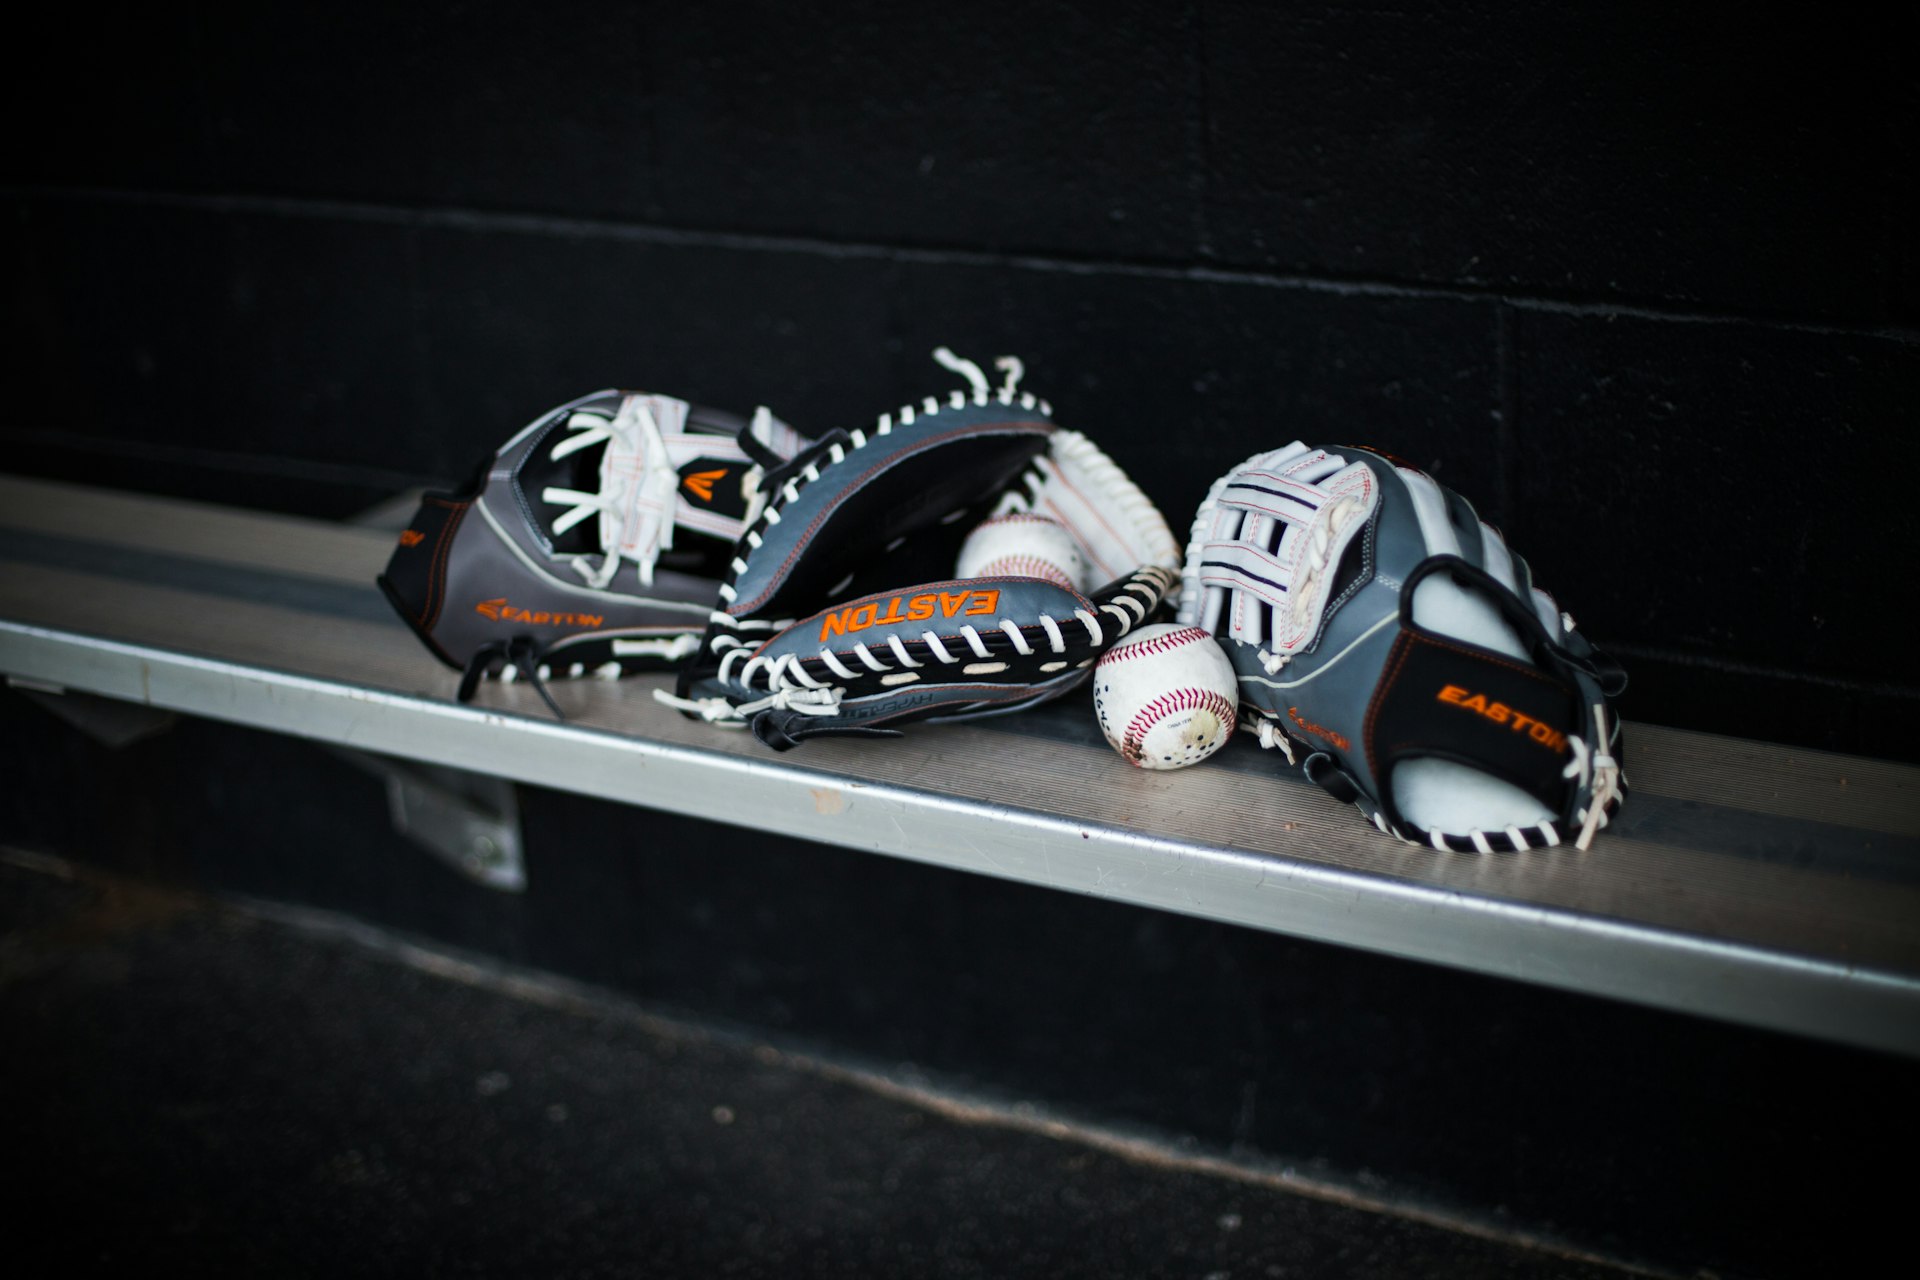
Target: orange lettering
[[950, 602], [1501, 714], [984, 602], [1317, 730], [858, 617], [500, 611]]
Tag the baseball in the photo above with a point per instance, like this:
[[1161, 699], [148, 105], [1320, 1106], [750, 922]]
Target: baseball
[[1025, 546], [1167, 696]]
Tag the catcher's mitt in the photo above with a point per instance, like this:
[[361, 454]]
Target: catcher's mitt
[[519, 573], [1377, 624], [855, 521]]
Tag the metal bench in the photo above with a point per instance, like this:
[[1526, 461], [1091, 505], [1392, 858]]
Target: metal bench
[[1745, 881]]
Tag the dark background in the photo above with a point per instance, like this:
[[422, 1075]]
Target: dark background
[[1640, 283]]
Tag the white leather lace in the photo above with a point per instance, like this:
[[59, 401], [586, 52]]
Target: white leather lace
[[1271, 736], [634, 506], [791, 685], [638, 506], [890, 660], [1594, 768], [766, 509], [811, 702]]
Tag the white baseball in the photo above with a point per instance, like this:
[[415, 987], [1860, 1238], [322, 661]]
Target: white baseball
[[1025, 546], [1167, 696]]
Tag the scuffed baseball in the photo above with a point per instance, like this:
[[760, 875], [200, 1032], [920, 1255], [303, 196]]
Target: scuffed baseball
[[1167, 696], [1024, 546]]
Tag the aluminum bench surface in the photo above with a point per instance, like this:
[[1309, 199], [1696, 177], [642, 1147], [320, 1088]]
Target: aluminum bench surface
[[1746, 881]]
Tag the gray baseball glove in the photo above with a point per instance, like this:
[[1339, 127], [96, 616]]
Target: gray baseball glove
[[842, 615], [590, 544], [1386, 634]]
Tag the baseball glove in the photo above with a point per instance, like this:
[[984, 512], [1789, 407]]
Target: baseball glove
[[1380, 628], [519, 573], [841, 614]]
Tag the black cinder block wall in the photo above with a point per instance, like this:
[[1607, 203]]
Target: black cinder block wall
[[1640, 283]]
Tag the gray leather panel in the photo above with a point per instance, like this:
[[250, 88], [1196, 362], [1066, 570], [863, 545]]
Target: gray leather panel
[[816, 500]]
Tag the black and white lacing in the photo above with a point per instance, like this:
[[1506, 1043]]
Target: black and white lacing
[[1074, 472], [815, 684], [638, 504], [782, 486]]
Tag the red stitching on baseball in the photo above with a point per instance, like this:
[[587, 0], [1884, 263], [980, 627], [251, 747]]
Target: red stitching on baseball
[[1026, 566], [1187, 699], [1017, 517], [1154, 644]]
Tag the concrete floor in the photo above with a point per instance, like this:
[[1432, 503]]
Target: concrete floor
[[231, 1090]]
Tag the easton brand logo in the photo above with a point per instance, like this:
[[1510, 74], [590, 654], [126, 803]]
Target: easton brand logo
[[879, 613], [1317, 730], [1502, 714], [411, 537], [700, 483], [500, 611]]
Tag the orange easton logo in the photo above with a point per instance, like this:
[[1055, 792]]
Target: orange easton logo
[[500, 611], [1317, 730], [879, 613], [1501, 713], [411, 537], [700, 483]]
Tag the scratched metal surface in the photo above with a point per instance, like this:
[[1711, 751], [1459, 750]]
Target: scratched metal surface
[[1744, 880]]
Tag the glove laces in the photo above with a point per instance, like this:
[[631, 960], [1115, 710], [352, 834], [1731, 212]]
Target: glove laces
[[515, 658], [637, 484], [1271, 735], [1596, 769], [1011, 366], [807, 702]]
